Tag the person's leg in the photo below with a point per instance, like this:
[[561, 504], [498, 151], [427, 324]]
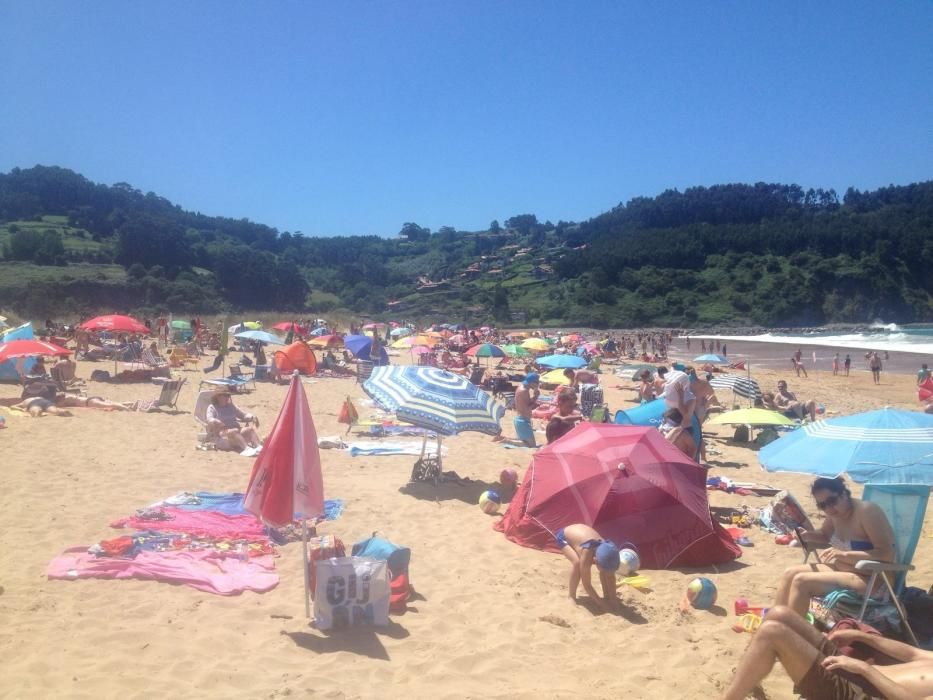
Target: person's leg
[[237, 443], [775, 639], [811, 409], [787, 578], [250, 435], [807, 585]]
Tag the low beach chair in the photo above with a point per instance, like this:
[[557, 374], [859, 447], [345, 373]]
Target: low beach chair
[[905, 506], [238, 375], [168, 397], [201, 404]]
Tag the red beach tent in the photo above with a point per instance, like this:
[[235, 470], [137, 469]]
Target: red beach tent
[[629, 484]]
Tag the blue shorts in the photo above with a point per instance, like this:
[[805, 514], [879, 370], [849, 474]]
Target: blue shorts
[[524, 431], [562, 541]]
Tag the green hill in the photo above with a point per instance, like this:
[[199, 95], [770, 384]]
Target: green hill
[[765, 254]]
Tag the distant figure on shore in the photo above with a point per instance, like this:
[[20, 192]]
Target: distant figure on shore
[[874, 364], [798, 365], [847, 364], [703, 345], [922, 374], [724, 351], [836, 364]]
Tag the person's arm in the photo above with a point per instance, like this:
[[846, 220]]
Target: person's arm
[[586, 569], [888, 688], [890, 647]]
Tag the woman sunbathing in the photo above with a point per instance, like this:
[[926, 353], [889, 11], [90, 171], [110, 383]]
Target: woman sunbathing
[[853, 530], [37, 406], [75, 401]]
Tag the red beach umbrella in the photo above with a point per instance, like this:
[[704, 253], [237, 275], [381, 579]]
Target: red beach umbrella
[[286, 478], [628, 483], [29, 348], [115, 322]]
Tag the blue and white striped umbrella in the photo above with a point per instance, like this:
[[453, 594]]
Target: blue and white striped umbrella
[[261, 336], [743, 386], [887, 446], [434, 399]]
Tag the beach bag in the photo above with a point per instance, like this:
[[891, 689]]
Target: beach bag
[[319, 548], [100, 375], [741, 434], [398, 558], [351, 592], [40, 390]]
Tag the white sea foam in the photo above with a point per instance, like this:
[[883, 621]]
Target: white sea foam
[[890, 342]]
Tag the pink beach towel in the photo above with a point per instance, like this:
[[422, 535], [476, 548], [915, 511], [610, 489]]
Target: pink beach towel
[[201, 523], [209, 571]]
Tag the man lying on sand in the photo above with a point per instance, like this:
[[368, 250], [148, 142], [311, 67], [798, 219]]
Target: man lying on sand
[[813, 661], [583, 546], [37, 406]]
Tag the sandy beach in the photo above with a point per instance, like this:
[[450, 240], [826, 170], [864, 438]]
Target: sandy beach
[[491, 619]]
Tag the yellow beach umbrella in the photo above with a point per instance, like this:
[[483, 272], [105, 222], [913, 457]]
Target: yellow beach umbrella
[[403, 343], [555, 376], [425, 340], [751, 416], [536, 344]]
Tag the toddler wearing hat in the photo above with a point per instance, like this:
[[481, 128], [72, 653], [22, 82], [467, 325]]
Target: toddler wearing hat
[[584, 547]]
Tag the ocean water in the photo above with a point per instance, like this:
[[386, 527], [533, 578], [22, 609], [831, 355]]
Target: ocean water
[[881, 337]]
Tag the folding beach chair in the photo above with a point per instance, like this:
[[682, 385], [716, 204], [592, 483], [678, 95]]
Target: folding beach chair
[[905, 507], [238, 375], [201, 404], [168, 397], [476, 375], [364, 368]]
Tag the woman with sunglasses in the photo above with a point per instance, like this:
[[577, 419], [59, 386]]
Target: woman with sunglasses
[[852, 531]]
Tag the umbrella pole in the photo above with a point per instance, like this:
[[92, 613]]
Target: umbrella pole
[[440, 464], [304, 559]]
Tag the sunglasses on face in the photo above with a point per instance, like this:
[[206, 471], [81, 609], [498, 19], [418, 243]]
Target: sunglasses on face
[[828, 503]]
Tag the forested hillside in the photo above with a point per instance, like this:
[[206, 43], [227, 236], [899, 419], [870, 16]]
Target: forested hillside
[[765, 254]]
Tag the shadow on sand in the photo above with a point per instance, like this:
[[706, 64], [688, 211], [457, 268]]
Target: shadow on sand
[[364, 641]]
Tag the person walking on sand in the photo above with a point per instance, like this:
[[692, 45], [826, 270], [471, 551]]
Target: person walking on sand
[[847, 364], [836, 364], [874, 364], [584, 547]]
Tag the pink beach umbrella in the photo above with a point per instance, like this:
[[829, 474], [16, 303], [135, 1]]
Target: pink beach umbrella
[[286, 480]]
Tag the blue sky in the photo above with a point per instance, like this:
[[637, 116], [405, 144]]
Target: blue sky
[[352, 118]]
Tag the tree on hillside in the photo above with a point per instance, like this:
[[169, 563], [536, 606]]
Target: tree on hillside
[[151, 240], [414, 232]]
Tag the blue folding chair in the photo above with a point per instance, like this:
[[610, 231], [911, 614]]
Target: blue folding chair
[[905, 507]]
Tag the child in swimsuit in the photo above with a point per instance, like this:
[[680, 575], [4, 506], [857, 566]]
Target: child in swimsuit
[[584, 547]]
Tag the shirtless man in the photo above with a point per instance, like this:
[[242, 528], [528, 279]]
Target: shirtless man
[[786, 402], [813, 661], [584, 547], [526, 396]]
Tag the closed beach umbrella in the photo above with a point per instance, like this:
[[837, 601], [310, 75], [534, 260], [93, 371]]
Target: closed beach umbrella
[[115, 322], [886, 446], [15, 349], [715, 359], [536, 344], [261, 336], [743, 386], [751, 416], [435, 399], [485, 350], [286, 480], [562, 361]]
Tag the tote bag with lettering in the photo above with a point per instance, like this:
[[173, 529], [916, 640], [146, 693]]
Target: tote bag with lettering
[[351, 591]]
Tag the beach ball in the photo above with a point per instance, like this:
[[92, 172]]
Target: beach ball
[[489, 502], [701, 593], [629, 562], [508, 477]]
